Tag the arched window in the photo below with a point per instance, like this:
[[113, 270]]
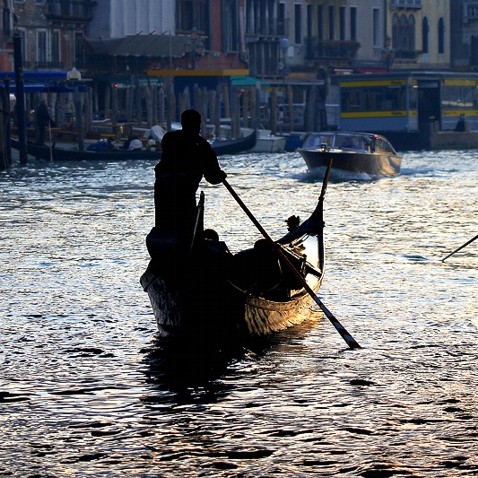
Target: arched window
[[425, 32], [403, 42], [441, 36], [399, 32], [411, 33], [403, 35], [395, 32]]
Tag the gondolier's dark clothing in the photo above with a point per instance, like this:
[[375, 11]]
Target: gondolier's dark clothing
[[42, 118], [186, 158]]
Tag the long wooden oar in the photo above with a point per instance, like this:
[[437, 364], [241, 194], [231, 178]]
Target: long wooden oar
[[198, 223], [51, 146], [351, 342], [460, 248]]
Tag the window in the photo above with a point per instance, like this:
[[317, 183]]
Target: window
[[425, 32], [309, 21], [191, 14], [41, 46], [55, 47], [376, 27], [441, 36], [353, 23], [403, 33], [298, 23], [281, 19], [320, 22], [331, 23], [230, 21], [342, 23]]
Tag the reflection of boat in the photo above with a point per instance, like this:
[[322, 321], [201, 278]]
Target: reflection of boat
[[69, 152], [358, 152], [205, 290]]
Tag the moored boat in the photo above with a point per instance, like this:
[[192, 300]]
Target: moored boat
[[351, 151], [70, 152], [203, 289], [266, 141]]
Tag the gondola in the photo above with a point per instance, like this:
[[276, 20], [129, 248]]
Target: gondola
[[198, 288], [57, 153]]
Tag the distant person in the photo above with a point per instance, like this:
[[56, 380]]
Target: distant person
[[186, 158], [461, 124], [110, 146], [42, 120], [128, 142]]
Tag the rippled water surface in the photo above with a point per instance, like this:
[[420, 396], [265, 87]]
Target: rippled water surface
[[86, 388]]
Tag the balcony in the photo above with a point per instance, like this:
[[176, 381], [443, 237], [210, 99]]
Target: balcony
[[409, 4], [70, 10], [330, 49], [43, 65], [470, 12], [409, 55]]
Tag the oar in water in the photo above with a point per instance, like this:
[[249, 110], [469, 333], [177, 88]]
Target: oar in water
[[460, 248], [351, 342]]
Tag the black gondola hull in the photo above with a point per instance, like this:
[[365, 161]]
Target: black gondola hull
[[221, 295]]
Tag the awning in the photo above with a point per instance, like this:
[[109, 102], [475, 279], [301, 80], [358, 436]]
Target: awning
[[244, 81], [48, 88], [53, 81]]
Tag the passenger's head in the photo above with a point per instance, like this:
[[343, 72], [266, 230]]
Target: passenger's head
[[211, 235], [191, 121]]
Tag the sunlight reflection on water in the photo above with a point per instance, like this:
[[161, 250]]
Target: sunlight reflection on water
[[86, 387]]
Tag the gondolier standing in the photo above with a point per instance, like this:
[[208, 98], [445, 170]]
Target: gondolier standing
[[42, 120], [186, 158]]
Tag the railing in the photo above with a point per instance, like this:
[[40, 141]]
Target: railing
[[417, 4], [48, 65], [471, 11], [406, 54], [334, 49], [72, 9], [43, 65]]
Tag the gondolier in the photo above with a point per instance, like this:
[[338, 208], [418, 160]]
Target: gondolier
[[42, 119], [186, 158]]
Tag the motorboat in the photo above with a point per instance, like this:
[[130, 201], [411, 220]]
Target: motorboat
[[367, 153]]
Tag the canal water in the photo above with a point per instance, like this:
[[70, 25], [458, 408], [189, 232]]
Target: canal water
[[87, 389]]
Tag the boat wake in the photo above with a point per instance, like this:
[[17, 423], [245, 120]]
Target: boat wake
[[336, 175]]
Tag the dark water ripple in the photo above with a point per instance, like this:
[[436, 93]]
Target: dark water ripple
[[87, 388]]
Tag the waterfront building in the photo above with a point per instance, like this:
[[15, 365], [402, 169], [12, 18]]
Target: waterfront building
[[121, 18], [419, 31], [464, 35], [285, 50], [52, 31]]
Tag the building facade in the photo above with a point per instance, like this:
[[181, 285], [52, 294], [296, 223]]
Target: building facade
[[420, 32], [52, 31], [117, 18], [276, 38], [464, 37]]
